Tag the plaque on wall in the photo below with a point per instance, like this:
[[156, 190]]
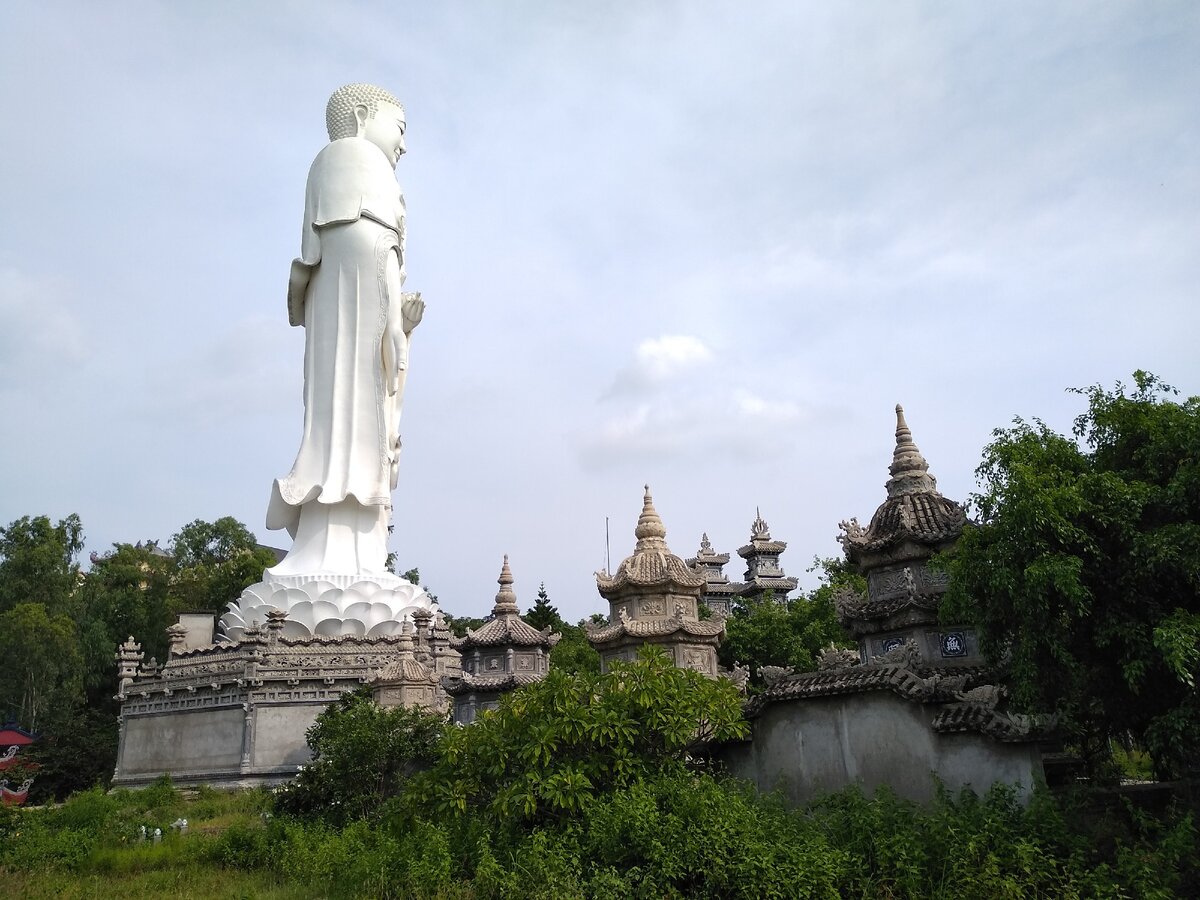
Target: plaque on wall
[[892, 643], [954, 643]]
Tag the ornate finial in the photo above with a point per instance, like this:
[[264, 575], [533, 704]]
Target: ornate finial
[[705, 547], [177, 638], [506, 599], [759, 530], [650, 531], [404, 646], [910, 471]]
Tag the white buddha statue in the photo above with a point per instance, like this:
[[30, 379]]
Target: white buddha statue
[[346, 291]]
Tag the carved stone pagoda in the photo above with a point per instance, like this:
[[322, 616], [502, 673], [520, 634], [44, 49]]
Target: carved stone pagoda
[[915, 699], [763, 571], [499, 656], [718, 590], [903, 592], [653, 599], [406, 682]]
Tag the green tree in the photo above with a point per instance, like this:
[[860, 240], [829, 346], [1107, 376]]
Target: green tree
[[362, 755], [1084, 571], [554, 746], [413, 576], [763, 632], [214, 562], [543, 614], [460, 625], [126, 592], [42, 668], [39, 562], [574, 653]]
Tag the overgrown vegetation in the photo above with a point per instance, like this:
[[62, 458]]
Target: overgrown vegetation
[[775, 631], [669, 831], [1084, 571], [60, 625]]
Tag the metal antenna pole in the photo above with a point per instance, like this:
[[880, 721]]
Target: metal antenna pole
[[607, 557]]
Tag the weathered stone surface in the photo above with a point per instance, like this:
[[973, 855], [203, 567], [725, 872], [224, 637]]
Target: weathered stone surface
[[499, 656], [903, 592], [235, 714], [653, 599], [813, 746]]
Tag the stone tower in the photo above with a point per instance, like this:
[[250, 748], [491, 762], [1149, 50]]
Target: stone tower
[[718, 591], [504, 653], [913, 523], [653, 599], [763, 570], [406, 682]]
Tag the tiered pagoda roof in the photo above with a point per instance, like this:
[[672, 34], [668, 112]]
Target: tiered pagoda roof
[[660, 589], [711, 565], [703, 629], [914, 511], [652, 564], [405, 669], [506, 631], [506, 627], [760, 539], [763, 571]]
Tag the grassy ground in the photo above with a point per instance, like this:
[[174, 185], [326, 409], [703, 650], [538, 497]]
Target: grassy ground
[[116, 864], [188, 882]]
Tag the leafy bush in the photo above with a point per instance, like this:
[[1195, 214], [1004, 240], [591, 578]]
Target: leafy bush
[[88, 811], [554, 746], [362, 755], [242, 846]]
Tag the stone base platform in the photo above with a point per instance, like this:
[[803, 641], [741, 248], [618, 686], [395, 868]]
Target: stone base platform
[[235, 714]]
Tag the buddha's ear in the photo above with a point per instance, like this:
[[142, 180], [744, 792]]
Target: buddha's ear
[[361, 114]]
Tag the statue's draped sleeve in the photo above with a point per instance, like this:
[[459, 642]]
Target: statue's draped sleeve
[[348, 178]]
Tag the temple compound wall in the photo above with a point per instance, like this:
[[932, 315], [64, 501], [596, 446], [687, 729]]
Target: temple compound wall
[[236, 714], [890, 727]]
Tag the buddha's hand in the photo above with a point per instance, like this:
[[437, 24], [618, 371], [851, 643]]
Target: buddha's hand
[[412, 309], [394, 349]]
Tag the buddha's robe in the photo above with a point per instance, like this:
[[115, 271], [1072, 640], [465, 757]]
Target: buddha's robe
[[350, 271]]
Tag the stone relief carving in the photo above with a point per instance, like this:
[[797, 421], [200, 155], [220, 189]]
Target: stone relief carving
[[905, 654], [772, 674], [837, 658]]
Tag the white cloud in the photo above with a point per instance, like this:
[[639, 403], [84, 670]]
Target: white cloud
[[670, 354], [658, 361], [752, 407]]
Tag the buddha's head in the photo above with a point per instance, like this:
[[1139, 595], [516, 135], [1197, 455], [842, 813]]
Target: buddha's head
[[366, 111]]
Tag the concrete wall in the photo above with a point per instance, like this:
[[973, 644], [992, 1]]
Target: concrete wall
[[208, 746], [279, 735], [182, 742], [200, 627], [816, 746]]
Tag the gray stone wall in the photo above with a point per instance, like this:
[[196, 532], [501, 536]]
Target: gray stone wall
[[815, 746], [208, 740]]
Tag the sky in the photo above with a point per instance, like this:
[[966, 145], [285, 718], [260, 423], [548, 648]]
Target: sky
[[704, 246]]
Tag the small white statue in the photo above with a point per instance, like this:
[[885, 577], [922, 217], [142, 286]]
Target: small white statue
[[346, 291]]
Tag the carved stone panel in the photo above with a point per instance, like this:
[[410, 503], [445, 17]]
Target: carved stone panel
[[652, 607]]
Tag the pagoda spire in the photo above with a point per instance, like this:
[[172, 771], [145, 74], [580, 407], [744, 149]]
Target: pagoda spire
[[651, 533], [506, 598], [909, 470], [759, 531]]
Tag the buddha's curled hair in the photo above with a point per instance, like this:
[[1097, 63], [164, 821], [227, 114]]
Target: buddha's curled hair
[[339, 111]]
